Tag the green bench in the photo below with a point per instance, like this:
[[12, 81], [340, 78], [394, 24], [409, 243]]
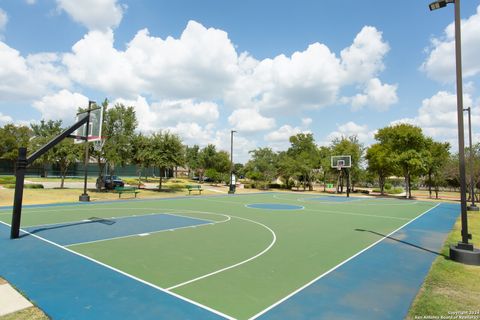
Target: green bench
[[191, 188], [121, 190]]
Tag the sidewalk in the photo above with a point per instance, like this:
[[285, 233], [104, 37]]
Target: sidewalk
[[10, 300]]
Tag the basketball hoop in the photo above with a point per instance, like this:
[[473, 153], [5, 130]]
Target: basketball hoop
[[98, 144]]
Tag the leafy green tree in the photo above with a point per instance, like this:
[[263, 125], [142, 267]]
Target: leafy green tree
[[42, 133], [13, 137], [380, 163], [306, 155], [349, 146], [286, 168], [437, 157], [119, 129], [408, 147], [206, 160], [325, 164], [166, 151], [140, 154], [262, 166], [192, 159], [64, 155]]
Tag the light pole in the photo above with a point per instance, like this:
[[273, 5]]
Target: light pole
[[462, 252], [232, 182], [471, 207]]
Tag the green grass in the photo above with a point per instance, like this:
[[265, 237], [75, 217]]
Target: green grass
[[450, 286], [291, 247]]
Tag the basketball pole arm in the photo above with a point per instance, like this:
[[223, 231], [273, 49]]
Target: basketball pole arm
[[22, 163], [56, 140]]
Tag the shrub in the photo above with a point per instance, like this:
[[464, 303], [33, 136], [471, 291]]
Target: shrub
[[26, 186], [275, 185], [387, 186], [7, 180]]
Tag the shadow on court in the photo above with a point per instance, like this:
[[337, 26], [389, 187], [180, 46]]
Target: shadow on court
[[69, 225], [404, 242]]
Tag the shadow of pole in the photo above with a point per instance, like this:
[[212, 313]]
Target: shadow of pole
[[404, 242]]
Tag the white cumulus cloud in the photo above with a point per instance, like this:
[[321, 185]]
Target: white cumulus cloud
[[5, 119], [62, 105], [363, 133], [376, 95], [250, 120], [440, 63], [438, 116], [94, 14], [37, 73]]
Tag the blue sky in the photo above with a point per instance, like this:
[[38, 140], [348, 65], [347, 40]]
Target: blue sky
[[268, 69]]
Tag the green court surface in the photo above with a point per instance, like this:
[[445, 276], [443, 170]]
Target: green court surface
[[243, 253]]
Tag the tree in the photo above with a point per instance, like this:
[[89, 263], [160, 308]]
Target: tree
[[119, 129], [13, 137], [408, 147], [286, 168], [64, 155], [352, 147], [206, 160], [192, 159], [166, 151], [437, 157], [262, 166], [42, 133], [380, 163], [306, 155], [140, 153]]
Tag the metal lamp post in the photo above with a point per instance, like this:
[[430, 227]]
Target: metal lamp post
[[462, 252], [471, 207], [232, 183]]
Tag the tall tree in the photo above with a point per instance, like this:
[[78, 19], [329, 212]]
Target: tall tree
[[119, 129], [206, 160], [166, 151], [437, 157], [64, 155], [350, 146], [192, 159], [42, 133], [262, 166], [306, 154], [13, 137], [380, 163], [408, 148]]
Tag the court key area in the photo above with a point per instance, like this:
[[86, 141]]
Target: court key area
[[265, 256]]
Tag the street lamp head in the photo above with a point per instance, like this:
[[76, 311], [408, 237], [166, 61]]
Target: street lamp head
[[439, 4]]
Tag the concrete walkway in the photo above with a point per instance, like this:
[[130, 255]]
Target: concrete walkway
[[10, 300]]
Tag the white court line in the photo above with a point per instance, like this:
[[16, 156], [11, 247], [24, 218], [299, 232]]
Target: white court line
[[357, 214], [235, 265], [66, 223], [337, 266], [362, 199], [129, 275]]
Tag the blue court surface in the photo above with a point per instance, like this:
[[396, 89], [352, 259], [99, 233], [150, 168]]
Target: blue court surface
[[377, 281], [398, 264], [96, 229]]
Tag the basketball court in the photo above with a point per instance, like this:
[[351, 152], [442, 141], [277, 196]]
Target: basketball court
[[265, 255]]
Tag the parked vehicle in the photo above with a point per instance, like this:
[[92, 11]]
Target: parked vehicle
[[109, 182]]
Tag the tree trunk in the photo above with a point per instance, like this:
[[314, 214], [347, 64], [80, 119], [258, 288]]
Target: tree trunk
[[381, 183], [324, 181], [430, 184], [161, 179]]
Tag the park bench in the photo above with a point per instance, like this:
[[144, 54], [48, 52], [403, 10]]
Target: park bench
[[121, 190], [191, 188]]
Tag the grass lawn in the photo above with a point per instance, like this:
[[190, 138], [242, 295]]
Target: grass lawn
[[451, 286], [45, 196]]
